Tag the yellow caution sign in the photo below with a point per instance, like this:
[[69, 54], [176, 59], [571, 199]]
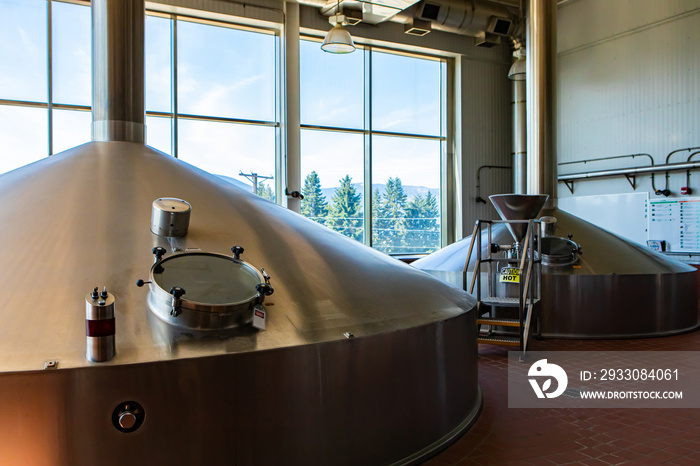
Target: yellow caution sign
[[510, 275]]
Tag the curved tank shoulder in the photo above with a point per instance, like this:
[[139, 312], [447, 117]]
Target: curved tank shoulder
[[81, 219], [603, 251]]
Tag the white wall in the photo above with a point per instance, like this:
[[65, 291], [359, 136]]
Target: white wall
[[486, 136], [628, 82]]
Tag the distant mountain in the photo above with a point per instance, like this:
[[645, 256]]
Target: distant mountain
[[411, 191]]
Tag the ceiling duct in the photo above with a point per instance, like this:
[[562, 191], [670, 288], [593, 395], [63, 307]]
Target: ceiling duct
[[374, 12], [354, 359], [464, 17], [417, 27], [486, 39]]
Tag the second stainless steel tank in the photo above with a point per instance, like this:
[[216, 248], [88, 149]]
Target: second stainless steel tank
[[614, 289]]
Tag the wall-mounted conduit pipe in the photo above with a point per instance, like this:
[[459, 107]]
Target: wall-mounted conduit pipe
[[478, 179], [631, 178], [687, 172], [668, 158], [628, 171]]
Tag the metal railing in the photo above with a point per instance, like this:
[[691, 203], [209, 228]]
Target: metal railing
[[530, 289]]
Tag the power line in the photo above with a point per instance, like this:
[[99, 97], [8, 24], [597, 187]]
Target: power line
[[253, 178]]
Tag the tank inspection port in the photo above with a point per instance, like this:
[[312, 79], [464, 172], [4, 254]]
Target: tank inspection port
[[128, 416]]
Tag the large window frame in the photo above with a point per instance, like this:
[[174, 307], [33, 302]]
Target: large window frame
[[368, 133], [49, 104], [173, 115]]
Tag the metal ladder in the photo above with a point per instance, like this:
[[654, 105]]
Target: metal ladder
[[529, 291]]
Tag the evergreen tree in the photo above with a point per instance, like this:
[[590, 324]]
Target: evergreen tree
[[422, 227], [390, 221], [314, 205], [345, 213], [266, 192]]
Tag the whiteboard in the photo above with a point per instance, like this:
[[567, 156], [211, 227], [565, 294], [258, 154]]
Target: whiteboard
[[622, 214], [676, 221]]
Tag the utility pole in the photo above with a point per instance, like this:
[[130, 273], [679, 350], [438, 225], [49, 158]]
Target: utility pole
[[253, 178]]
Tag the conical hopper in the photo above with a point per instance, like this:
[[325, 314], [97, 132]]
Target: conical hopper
[[518, 207]]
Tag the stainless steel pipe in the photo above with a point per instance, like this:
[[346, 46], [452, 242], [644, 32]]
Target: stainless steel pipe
[[669, 167], [118, 112], [541, 68], [519, 109]]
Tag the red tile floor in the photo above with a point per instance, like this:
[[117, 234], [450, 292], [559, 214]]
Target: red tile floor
[[503, 435]]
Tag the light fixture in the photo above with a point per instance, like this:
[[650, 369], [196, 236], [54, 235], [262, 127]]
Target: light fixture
[[338, 39], [517, 69]]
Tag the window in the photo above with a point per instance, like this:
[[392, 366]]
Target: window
[[72, 54], [229, 149], [234, 79], [23, 51], [70, 128], [406, 209], [23, 136], [333, 159], [398, 145], [43, 109], [224, 112], [225, 109], [227, 103], [159, 69], [372, 132], [332, 96], [23, 82]]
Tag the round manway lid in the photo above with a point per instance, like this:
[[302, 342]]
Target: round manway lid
[[208, 278]]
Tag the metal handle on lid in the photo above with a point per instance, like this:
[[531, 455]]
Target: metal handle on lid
[[237, 251], [264, 289], [159, 252], [177, 293]]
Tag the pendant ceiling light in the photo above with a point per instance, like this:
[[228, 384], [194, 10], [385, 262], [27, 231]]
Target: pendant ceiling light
[[338, 39]]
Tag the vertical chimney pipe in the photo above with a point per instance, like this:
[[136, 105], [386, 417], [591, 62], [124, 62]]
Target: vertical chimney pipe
[[541, 72], [519, 138], [118, 112]]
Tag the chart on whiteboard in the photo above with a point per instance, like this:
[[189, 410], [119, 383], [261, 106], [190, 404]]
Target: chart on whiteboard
[[677, 222]]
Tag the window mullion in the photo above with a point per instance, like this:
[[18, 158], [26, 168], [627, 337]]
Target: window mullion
[[173, 84], [280, 159], [368, 146], [49, 74], [446, 154]]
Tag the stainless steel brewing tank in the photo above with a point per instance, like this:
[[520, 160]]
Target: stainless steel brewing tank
[[615, 288], [364, 360]]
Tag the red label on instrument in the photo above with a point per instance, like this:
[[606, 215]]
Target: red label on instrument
[[99, 328], [260, 314]]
